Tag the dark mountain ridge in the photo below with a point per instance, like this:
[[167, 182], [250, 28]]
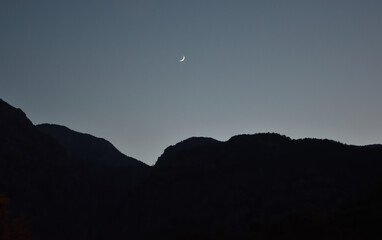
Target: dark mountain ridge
[[227, 186], [183, 148], [261, 186], [62, 192], [85, 146]]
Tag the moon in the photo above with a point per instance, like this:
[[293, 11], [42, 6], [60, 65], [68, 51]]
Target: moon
[[183, 58]]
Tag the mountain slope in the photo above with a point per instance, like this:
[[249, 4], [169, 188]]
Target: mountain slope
[[62, 196], [87, 147], [32, 167]]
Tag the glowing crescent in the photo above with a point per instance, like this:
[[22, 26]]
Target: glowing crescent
[[183, 58]]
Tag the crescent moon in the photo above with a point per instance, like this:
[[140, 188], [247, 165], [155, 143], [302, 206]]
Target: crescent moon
[[183, 58]]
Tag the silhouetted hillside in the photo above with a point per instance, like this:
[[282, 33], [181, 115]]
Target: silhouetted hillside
[[227, 187], [31, 166], [87, 147], [26, 154], [184, 149], [262, 186], [64, 197]]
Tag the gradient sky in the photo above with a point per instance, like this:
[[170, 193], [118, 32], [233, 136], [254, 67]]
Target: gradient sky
[[110, 68]]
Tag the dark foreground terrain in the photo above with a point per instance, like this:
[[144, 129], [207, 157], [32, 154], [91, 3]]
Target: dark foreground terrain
[[67, 185]]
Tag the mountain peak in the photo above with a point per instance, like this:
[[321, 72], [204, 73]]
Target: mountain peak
[[259, 138], [186, 145], [11, 116]]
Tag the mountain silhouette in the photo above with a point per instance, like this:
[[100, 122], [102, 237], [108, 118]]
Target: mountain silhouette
[[72, 185], [31, 166], [183, 148], [228, 186], [62, 194], [87, 147]]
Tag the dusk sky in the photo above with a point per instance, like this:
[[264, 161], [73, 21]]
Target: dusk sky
[[111, 68]]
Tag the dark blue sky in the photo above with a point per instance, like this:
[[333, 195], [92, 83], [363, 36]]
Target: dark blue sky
[[110, 68]]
